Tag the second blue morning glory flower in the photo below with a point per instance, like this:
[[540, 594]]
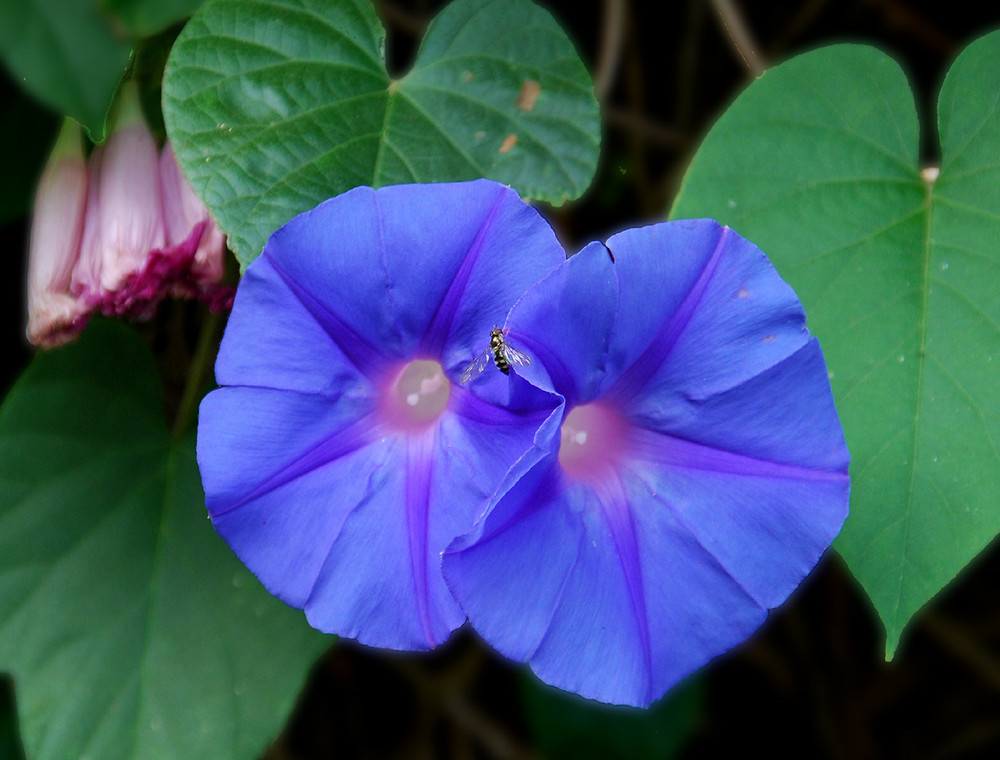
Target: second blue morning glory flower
[[697, 473]]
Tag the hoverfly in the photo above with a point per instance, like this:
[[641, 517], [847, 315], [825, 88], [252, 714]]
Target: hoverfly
[[502, 354]]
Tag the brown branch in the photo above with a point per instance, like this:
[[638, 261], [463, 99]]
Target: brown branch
[[736, 28]]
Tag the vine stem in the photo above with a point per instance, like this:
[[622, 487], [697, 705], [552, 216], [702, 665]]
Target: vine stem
[[200, 362], [739, 33]]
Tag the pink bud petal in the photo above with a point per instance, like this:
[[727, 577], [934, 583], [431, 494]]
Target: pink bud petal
[[182, 209], [124, 220], [54, 315], [182, 212]]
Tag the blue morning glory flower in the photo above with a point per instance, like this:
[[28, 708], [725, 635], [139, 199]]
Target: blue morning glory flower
[[698, 473], [340, 457]]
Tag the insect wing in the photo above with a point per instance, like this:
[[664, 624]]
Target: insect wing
[[513, 356], [476, 366]]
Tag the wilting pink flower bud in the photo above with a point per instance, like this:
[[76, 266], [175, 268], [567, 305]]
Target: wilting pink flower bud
[[54, 315], [190, 228], [146, 235], [124, 220]]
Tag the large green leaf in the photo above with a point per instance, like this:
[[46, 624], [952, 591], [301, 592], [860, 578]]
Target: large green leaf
[[66, 54], [817, 162], [276, 105], [130, 628]]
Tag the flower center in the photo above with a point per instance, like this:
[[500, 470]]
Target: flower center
[[593, 441], [417, 396]]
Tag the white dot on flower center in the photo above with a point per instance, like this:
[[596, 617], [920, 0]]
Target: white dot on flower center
[[593, 440], [416, 395]]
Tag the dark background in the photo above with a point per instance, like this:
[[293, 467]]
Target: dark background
[[813, 682]]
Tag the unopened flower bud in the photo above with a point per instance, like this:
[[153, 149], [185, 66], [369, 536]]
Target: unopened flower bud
[[124, 219], [190, 227], [55, 316]]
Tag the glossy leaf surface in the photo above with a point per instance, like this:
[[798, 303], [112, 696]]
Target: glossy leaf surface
[[817, 162], [129, 627], [275, 111]]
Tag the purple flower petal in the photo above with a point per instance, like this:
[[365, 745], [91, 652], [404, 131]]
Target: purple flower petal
[[571, 315], [262, 452], [702, 466], [269, 316], [340, 460], [610, 604], [515, 546], [414, 269], [380, 581]]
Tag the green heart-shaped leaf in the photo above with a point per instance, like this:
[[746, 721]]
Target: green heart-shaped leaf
[[66, 54], [130, 628], [817, 162], [276, 105]]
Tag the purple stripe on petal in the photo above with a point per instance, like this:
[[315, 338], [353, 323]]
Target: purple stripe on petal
[[597, 643], [665, 449], [442, 323], [510, 573], [417, 495], [617, 512], [783, 414], [748, 320], [380, 581], [632, 381], [273, 341], [369, 360], [249, 437], [285, 534], [767, 532], [697, 610], [551, 364], [337, 445]]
